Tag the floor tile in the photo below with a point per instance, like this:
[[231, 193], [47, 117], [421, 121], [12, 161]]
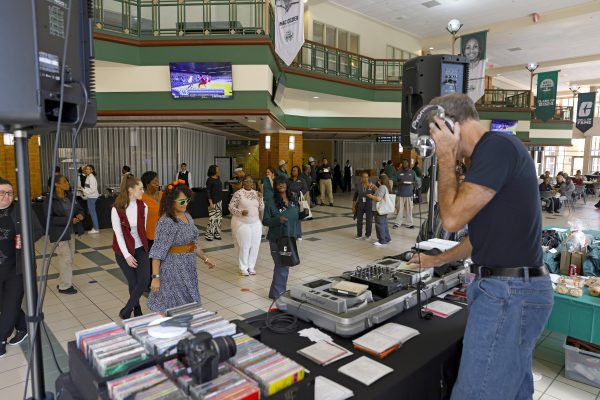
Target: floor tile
[[563, 391]]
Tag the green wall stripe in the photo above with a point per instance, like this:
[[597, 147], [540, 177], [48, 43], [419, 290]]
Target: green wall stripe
[[549, 141], [523, 135], [558, 125], [342, 122], [164, 101], [507, 115]]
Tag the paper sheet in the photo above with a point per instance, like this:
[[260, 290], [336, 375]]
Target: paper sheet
[[326, 389], [315, 335], [365, 370]]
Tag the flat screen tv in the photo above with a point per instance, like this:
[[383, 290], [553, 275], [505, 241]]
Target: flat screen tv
[[504, 126], [453, 78], [201, 80], [279, 90]]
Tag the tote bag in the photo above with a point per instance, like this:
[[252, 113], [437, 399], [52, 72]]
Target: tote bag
[[304, 207], [387, 205], [288, 250]]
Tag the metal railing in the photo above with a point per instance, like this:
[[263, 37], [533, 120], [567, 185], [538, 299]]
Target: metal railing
[[500, 98], [344, 64], [563, 113], [145, 19]]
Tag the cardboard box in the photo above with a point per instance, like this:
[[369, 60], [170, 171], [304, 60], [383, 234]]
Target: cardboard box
[[568, 258]]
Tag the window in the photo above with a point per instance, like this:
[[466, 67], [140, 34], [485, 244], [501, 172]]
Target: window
[[595, 154], [399, 54], [335, 37]]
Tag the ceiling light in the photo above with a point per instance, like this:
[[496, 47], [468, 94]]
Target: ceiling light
[[454, 25], [532, 66], [430, 4], [515, 49], [315, 97], [431, 48]]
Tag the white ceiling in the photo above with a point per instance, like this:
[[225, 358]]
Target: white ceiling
[[564, 32]]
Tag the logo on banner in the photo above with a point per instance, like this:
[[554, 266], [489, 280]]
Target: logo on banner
[[289, 29], [547, 85], [585, 111]]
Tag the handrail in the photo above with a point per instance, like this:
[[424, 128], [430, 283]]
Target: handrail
[[501, 98]]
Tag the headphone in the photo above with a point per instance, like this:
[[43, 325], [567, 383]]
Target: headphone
[[419, 129]]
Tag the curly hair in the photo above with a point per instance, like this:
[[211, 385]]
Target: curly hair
[[167, 203], [278, 201], [147, 177]]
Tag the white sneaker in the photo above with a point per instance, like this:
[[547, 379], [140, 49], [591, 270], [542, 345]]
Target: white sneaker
[[252, 272], [94, 231], [377, 244], [299, 238]]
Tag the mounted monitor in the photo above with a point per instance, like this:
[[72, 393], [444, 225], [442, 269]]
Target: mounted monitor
[[279, 90], [504, 126], [200, 80]]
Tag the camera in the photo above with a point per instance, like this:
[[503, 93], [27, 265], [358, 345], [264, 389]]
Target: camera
[[203, 353]]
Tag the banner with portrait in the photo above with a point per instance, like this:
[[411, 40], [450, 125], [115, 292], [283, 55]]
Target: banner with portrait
[[545, 101], [473, 46], [289, 28], [586, 105]]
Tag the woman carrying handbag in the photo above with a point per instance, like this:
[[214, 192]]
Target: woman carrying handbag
[[383, 204], [281, 216]]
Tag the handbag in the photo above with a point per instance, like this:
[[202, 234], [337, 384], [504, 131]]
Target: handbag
[[305, 211], [387, 205], [288, 251]]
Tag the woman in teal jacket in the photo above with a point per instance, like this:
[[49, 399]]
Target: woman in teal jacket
[[281, 216]]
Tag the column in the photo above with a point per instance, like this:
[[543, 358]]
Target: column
[[7, 164], [280, 145]]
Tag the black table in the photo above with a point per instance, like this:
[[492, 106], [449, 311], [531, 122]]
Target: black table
[[426, 367]]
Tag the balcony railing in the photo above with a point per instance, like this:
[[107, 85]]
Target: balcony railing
[[499, 98], [563, 113], [340, 63]]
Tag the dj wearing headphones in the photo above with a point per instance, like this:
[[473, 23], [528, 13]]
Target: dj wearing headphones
[[511, 297]]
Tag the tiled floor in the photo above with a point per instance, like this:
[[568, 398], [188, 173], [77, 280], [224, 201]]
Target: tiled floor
[[329, 248]]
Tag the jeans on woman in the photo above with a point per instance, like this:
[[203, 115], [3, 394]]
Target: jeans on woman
[[280, 273], [381, 228], [91, 203], [137, 278]]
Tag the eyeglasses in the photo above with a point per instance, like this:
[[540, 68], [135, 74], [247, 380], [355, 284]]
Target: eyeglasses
[[183, 201], [9, 194]]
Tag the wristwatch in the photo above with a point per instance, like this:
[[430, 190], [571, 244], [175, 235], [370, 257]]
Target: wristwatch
[[155, 276]]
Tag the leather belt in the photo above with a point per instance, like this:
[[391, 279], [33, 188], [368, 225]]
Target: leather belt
[[484, 271], [186, 248]]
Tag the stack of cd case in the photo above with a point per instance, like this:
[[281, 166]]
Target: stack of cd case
[[150, 383], [109, 349], [272, 370], [204, 320]]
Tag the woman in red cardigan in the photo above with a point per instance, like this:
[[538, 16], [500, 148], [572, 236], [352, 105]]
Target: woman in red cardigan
[[130, 243]]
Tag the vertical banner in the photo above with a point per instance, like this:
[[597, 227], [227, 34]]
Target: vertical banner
[[586, 105], [545, 102], [473, 47], [289, 28]]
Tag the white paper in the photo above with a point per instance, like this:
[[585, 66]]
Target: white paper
[[324, 352], [326, 389], [365, 370], [552, 251], [315, 335], [443, 309], [376, 342], [399, 332]]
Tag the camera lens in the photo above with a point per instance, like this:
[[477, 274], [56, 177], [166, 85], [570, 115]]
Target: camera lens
[[225, 347]]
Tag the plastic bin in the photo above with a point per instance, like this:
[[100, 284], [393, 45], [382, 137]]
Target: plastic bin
[[581, 365]]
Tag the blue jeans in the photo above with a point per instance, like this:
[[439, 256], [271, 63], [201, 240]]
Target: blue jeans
[[280, 273], [506, 318], [91, 203], [382, 230]]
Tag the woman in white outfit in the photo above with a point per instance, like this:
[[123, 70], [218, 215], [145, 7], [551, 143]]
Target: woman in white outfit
[[245, 207], [91, 194]]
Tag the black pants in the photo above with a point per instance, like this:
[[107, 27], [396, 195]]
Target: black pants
[[368, 213], [137, 278], [552, 204], [347, 183], [11, 296]]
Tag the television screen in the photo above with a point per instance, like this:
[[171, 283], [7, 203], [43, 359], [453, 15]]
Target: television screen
[[504, 126], [452, 78], [194, 80], [279, 90]]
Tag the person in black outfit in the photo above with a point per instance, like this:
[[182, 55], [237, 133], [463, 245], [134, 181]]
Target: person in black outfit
[[214, 192], [11, 268], [348, 172], [337, 176], [552, 203], [184, 175], [324, 174], [363, 205], [511, 297]]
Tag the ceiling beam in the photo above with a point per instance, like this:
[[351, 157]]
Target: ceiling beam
[[518, 23], [545, 64]]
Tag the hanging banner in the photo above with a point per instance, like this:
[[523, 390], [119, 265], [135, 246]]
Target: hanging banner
[[586, 105], [473, 47], [289, 28], [545, 102]]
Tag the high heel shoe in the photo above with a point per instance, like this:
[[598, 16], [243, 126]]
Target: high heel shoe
[[137, 311], [125, 314]]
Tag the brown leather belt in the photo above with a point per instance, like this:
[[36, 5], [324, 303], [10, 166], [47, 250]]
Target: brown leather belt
[[484, 271], [186, 248]]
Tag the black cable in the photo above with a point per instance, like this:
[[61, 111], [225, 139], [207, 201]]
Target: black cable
[[427, 314], [281, 323], [52, 349]]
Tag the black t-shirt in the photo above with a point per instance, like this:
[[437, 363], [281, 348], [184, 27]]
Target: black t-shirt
[[507, 231], [324, 172], [8, 258], [214, 188]]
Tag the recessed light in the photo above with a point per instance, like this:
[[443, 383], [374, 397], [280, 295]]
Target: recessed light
[[430, 4], [315, 97], [431, 48]]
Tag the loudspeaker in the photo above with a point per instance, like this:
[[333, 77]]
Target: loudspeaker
[[34, 33], [426, 77]]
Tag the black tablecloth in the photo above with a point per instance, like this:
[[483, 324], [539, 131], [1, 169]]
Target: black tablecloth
[[424, 368]]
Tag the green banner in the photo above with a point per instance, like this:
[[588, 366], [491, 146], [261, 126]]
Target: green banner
[[545, 103]]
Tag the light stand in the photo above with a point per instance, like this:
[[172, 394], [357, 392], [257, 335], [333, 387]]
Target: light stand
[[531, 67], [453, 27], [29, 270]]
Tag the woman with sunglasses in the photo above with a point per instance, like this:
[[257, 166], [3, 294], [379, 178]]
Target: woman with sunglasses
[[245, 207], [130, 243], [281, 216], [174, 276]]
